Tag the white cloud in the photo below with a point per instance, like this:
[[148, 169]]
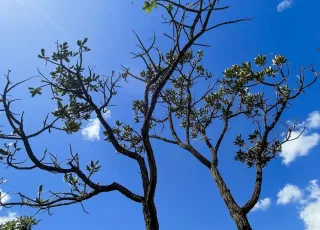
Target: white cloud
[[107, 114], [313, 120], [263, 205], [285, 4], [302, 141], [310, 212], [9, 217], [92, 130], [5, 197], [309, 206], [298, 147], [310, 215], [289, 194]]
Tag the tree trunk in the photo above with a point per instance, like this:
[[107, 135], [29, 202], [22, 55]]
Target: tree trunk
[[150, 216], [235, 211], [241, 221]]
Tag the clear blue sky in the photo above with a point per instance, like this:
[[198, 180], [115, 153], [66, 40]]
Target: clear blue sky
[[186, 197]]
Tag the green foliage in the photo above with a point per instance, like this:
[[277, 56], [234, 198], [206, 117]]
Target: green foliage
[[35, 91], [234, 94], [69, 85], [72, 126], [21, 223], [94, 167], [149, 5]]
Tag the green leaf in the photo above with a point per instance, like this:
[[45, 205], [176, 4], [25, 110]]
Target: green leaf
[[60, 106], [72, 126], [85, 41], [42, 52], [57, 98], [79, 43], [35, 91], [260, 60], [4, 152], [147, 7], [154, 4], [40, 189]]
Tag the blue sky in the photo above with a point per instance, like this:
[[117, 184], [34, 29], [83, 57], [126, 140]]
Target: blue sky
[[186, 197]]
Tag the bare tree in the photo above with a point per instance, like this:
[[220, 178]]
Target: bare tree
[[81, 94]]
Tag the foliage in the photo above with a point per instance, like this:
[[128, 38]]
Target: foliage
[[171, 101], [149, 5], [80, 94], [21, 223]]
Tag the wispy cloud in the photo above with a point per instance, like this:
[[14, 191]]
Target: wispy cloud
[[263, 205], [92, 130], [285, 4], [308, 205], [40, 11], [302, 144]]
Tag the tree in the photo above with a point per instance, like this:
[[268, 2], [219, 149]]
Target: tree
[[81, 94], [21, 223], [260, 95]]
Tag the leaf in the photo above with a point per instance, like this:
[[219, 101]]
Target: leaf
[[60, 106], [147, 7], [40, 189], [85, 41], [4, 152], [79, 43], [57, 98], [42, 52], [154, 4]]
